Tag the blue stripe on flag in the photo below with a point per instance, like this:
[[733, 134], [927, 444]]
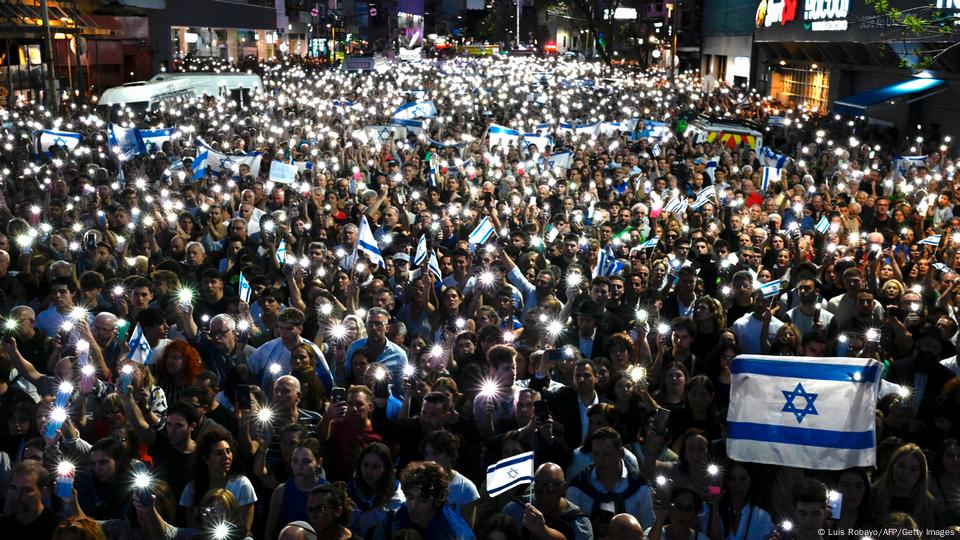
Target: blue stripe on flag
[[520, 458], [803, 370], [514, 482], [849, 440]]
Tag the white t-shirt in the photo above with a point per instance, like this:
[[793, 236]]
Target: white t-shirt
[[462, 491], [747, 330], [238, 485]]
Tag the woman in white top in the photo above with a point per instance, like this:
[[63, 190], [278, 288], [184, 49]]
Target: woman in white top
[[740, 518], [215, 467], [679, 519]]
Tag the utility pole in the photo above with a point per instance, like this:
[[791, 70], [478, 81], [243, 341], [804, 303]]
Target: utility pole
[[51, 75], [674, 57], [518, 23]]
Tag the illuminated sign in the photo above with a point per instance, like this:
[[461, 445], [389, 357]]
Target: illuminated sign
[[825, 15], [771, 12]]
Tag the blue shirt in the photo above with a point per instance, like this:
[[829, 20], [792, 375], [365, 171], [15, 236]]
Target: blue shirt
[[393, 358], [273, 351]]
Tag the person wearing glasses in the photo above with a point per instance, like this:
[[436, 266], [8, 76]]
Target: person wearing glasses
[[681, 513], [381, 350], [545, 512]]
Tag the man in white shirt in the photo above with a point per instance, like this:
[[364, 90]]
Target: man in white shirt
[[757, 329]]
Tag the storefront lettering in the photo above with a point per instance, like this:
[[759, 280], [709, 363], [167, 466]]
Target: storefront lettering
[[948, 4], [819, 10], [770, 12]]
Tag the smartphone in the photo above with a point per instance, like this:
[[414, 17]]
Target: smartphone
[[141, 492], [661, 419], [835, 498], [713, 490], [339, 394], [380, 390], [541, 409], [124, 382], [244, 397], [555, 355]]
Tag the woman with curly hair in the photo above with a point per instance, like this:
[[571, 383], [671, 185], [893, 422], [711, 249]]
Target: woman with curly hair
[[425, 485], [177, 368], [904, 487], [330, 509], [79, 528], [215, 467], [374, 488]]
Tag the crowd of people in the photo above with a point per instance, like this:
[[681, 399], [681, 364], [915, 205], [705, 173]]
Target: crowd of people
[[204, 352]]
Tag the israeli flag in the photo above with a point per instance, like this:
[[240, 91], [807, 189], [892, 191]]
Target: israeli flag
[[770, 288], [941, 267], [657, 132], [439, 144], [590, 130], [217, 161], [563, 160], [607, 264], [676, 206], [421, 252], [656, 151], [153, 139], [244, 290], [770, 174], [932, 240], [48, 138], [283, 173], [367, 244], [434, 265], [542, 141], [705, 196], [804, 412], [128, 140], [501, 135], [509, 473], [381, 134], [416, 109], [611, 128], [282, 252], [769, 158], [903, 163], [200, 165], [650, 243], [776, 121], [482, 232], [823, 225], [140, 350], [711, 168], [412, 126]]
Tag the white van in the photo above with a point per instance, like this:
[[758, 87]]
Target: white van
[[216, 84], [144, 96]]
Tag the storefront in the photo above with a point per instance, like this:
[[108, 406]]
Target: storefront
[[727, 48], [841, 56]]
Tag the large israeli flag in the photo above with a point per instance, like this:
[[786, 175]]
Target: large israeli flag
[[804, 412], [657, 132], [509, 473], [903, 163], [497, 134], [153, 139], [542, 141], [218, 161], [416, 109], [563, 160], [128, 140], [366, 243], [590, 130], [48, 138], [381, 134], [412, 126]]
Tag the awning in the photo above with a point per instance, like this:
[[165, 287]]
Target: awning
[[25, 16], [903, 92]]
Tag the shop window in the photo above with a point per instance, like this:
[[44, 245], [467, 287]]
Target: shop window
[[804, 86]]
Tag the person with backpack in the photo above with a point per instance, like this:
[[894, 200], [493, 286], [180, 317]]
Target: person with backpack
[[607, 488], [547, 514]]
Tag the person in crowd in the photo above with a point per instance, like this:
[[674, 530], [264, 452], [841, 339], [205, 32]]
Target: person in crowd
[[548, 513]]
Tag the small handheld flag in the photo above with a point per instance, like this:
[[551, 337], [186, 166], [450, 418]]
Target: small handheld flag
[[509, 473], [367, 244]]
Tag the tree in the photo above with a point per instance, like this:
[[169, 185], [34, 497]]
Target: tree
[[910, 31], [593, 13]]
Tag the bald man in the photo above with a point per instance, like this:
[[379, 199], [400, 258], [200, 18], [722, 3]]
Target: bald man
[[625, 527], [550, 515], [298, 530]]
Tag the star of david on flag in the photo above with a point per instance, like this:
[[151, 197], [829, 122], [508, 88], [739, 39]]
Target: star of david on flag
[[804, 412]]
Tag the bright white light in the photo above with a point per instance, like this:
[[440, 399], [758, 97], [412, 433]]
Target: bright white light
[[58, 414], [713, 469], [265, 415], [66, 387], [409, 370], [185, 296], [486, 278], [636, 373], [65, 468], [641, 315], [661, 480], [574, 279], [872, 334], [436, 350], [88, 370], [379, 374], [488, 389], [275, 368], [555, 328], [786, 525], [663, 328], [338, 331]]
